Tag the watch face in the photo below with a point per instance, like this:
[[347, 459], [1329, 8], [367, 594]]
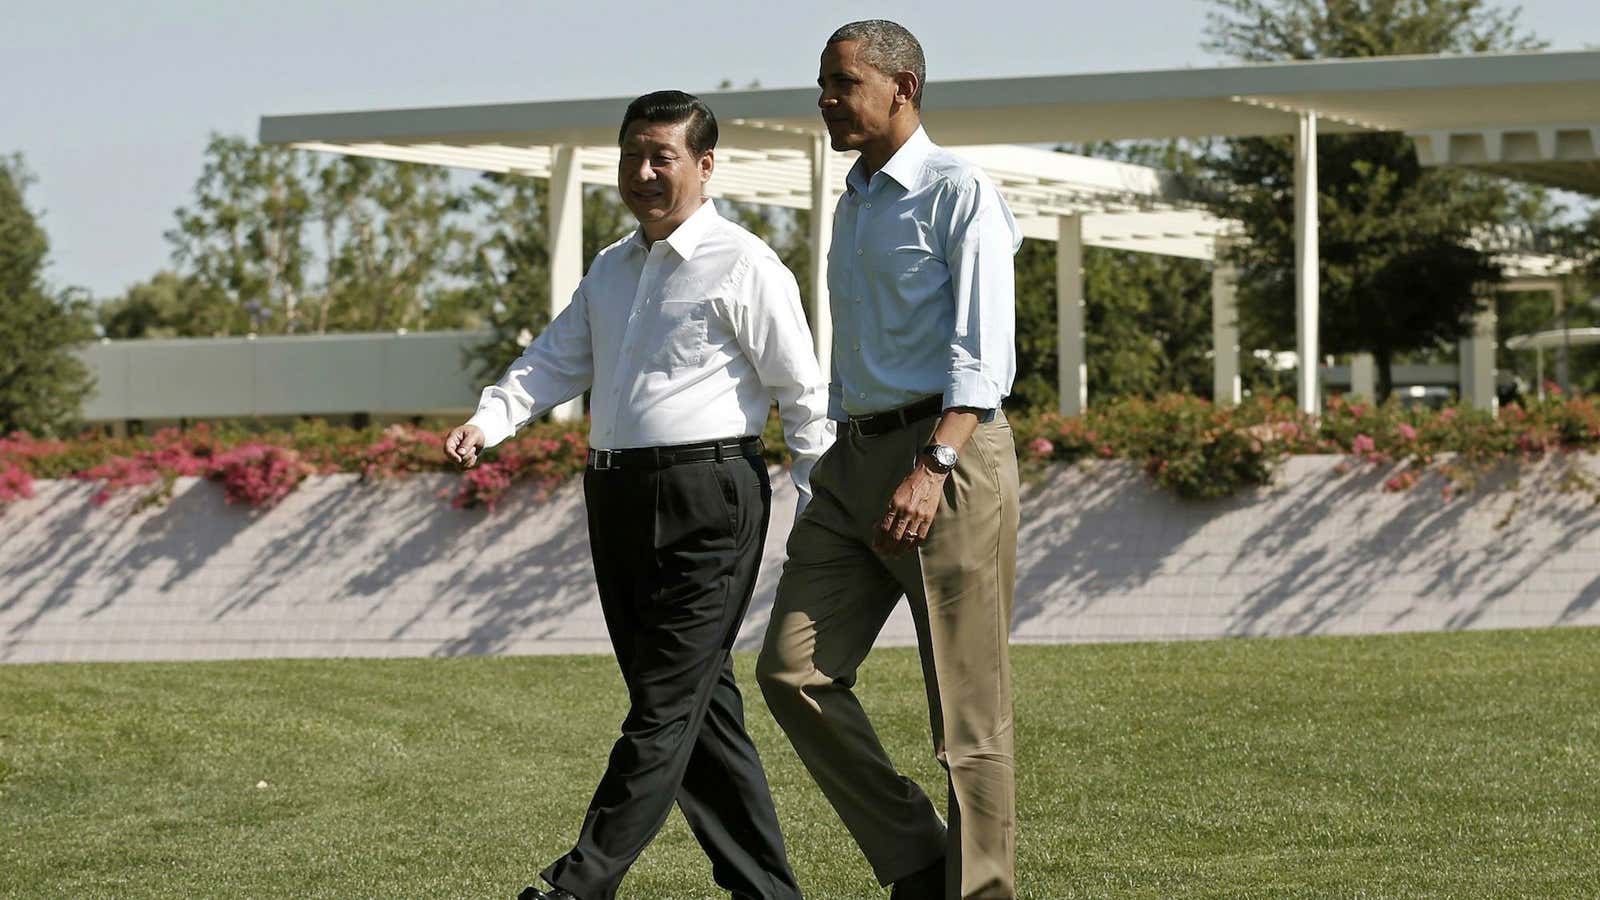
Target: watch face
[[944, 456]]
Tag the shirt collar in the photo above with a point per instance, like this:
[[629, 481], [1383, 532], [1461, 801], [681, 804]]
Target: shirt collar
[[686, 237], [905, 166]]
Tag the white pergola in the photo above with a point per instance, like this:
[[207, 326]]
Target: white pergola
[[1464, 110]]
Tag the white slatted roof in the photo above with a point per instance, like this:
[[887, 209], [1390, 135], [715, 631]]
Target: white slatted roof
[[1125, 207]]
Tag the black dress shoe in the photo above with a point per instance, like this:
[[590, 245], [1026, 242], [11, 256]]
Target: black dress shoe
[[532, 892], [923, 884]]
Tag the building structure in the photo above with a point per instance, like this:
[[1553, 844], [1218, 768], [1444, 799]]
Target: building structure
[[1534, 116]]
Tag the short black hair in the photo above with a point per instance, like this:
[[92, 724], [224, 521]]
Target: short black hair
[[888, 47], [670, 108]]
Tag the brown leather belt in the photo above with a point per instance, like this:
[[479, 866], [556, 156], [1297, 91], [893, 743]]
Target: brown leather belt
[[895, 419]]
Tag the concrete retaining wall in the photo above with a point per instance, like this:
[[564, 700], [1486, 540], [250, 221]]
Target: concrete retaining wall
[[349, 569]]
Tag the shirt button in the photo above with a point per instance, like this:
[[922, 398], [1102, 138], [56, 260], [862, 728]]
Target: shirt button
[[858, 299], [860, 252], [858, 346], [869, 206], [862, 395]]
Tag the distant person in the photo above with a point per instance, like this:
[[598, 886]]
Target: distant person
[[686, 330], [919, 495]]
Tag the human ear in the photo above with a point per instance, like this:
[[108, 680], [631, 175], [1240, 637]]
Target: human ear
[[905, 86]]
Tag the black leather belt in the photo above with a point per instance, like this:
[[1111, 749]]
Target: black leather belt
[[895, 419], [661, 457]]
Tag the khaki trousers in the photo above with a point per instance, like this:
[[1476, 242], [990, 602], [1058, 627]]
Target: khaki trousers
[[833, 599]]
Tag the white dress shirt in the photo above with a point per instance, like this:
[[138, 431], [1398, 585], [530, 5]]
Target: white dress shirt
[[686, 340], [921, 285]]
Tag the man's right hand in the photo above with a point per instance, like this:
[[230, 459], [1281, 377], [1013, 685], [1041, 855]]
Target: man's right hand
[[462, 444]]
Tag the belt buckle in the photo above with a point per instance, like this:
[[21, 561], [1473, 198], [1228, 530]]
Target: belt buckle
[[854, 425], [603, 460]]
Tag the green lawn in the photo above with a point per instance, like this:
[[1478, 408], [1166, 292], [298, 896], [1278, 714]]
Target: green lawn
[[1461, 765]]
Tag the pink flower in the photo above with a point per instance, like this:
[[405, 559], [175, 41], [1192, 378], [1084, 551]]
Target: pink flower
[[1447, 415], [15, 484], [1041, 447], [1401, 482], [258, 475], [1407, 432], [1362, 444]]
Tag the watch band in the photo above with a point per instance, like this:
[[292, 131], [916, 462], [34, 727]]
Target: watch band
[[943, 457]]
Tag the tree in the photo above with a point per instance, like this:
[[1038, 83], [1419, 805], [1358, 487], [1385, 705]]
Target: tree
[[392, 232], [507, 273], [168, 305], [1147, 326], [42, 383], [288, 241], [243, 238], [1399, 271]]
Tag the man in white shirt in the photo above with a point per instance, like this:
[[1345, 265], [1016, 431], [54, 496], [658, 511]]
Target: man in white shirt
[[919, 496], [685, 330]]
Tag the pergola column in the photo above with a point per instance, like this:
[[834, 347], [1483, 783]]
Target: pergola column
[[1072, 371], [1476, 361], [566, 247], [1306, 284], [1364, 376], [1563, 357], [822, 203], [1226, 388]]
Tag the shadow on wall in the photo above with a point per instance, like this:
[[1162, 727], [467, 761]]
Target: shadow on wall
[[1104, 552], [342, 564], [349, 568]]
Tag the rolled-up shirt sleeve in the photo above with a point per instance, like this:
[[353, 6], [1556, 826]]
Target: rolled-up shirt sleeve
[[557, 366], [771, 329], [983, 239]]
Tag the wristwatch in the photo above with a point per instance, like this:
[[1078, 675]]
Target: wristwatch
[[941, 457]]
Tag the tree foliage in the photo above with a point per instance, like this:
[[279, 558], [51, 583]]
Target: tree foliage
[[1401, 266], [1147, 327], [286, 241], [42, 382], [507, 272]]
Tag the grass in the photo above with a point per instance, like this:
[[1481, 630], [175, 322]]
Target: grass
[[1459, 765]]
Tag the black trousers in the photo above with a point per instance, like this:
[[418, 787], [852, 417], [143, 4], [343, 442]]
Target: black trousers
[[675, 555]]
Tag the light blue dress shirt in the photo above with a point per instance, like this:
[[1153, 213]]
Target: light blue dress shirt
[[921, 285]]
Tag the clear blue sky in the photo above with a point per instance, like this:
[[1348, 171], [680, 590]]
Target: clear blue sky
[[111, 101]]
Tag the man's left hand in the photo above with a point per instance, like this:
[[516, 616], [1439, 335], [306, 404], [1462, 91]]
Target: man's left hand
[[911, 510]]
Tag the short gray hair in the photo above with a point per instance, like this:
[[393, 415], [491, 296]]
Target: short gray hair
[[889, 48]]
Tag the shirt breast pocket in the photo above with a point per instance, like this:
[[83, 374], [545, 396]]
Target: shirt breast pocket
[[683, 334]]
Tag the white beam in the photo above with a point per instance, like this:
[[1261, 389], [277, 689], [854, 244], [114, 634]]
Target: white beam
[[566, 247], [1226, 387], [822, 203], [1072, 371], [1306, 284]]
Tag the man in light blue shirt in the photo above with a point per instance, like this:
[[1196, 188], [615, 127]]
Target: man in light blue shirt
[[921, 279], [918, 495]]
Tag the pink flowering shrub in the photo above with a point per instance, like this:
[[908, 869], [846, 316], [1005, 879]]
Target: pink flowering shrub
[[1196, 449], [1185, 444], [258, 475], [545, 457], [402, 450], [15, 484]]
